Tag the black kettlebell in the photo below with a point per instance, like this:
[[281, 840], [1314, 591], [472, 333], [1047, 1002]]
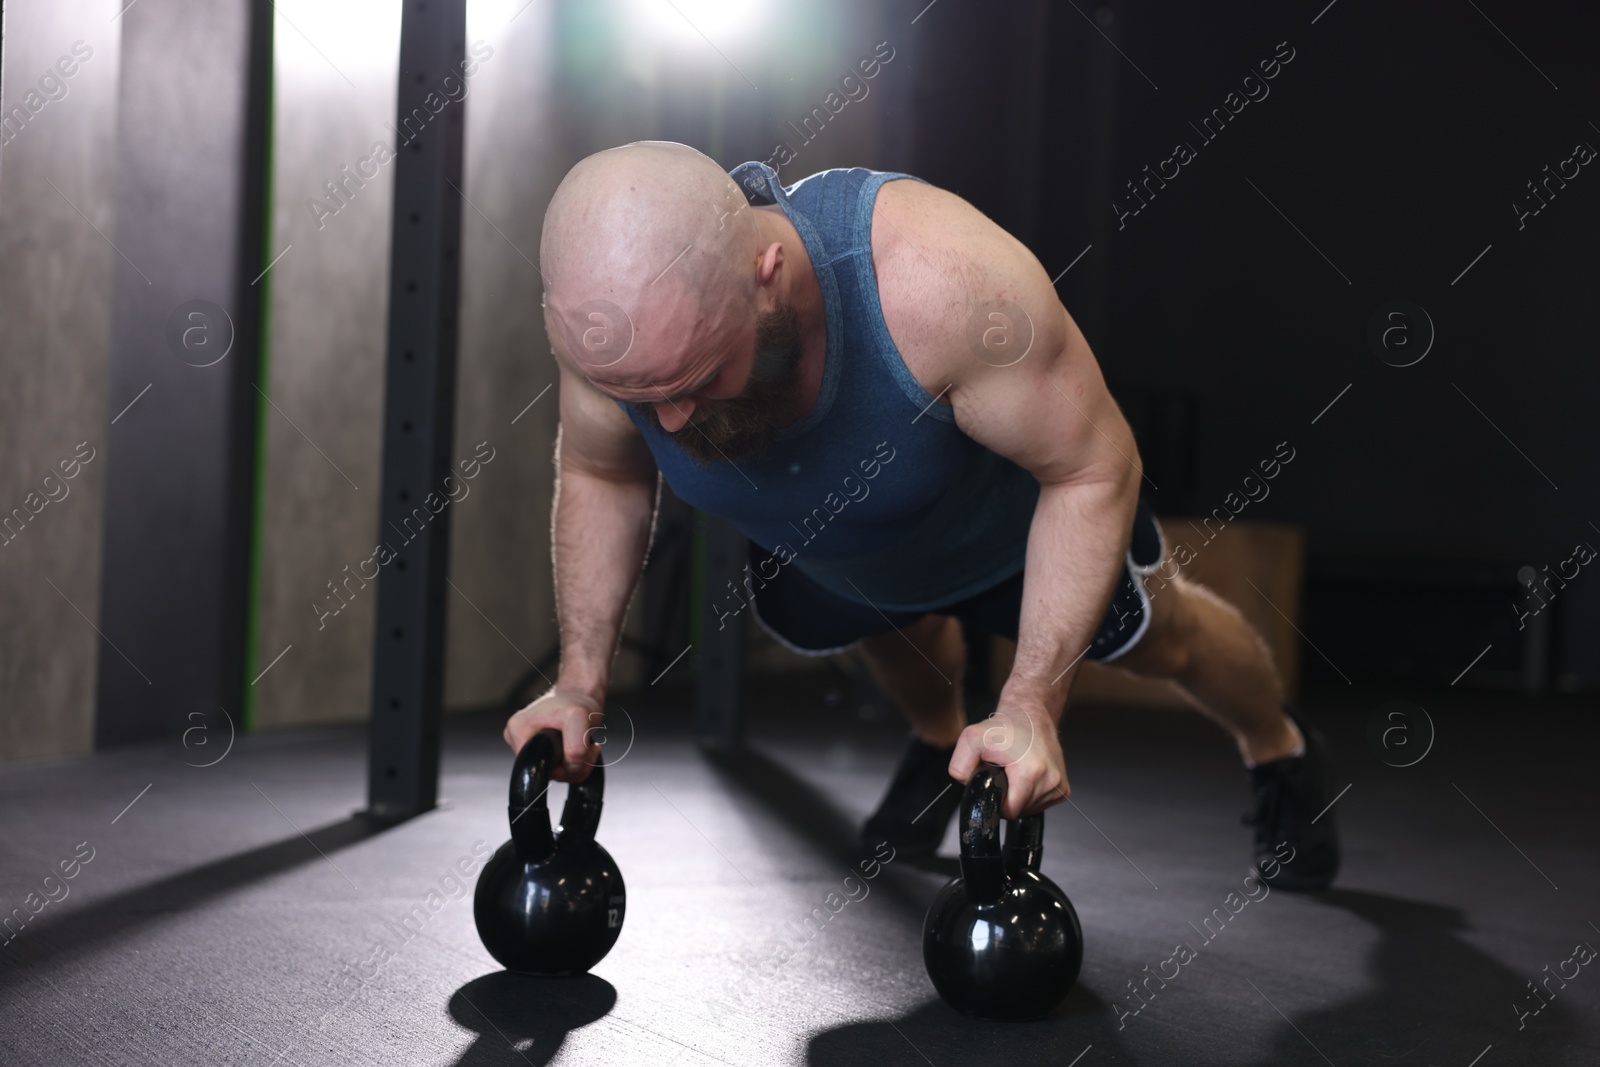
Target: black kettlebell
[[1001, 941], [550, 904]]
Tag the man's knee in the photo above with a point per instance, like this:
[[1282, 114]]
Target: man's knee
[[927, 632], [1167, 649]]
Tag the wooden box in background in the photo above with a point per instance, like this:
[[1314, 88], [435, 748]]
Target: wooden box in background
[[1271, 555]]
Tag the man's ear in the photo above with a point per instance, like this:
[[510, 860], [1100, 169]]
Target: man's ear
[[770, 260]]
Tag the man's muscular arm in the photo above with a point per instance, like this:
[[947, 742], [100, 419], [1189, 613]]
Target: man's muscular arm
[[982, 299], [607, 488]]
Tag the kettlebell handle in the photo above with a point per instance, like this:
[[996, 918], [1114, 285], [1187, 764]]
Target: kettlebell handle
[[1024, 843], [984, 865], [529, 807]]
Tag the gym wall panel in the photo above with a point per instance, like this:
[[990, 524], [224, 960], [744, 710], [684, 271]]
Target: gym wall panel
[[326, 365], [502, 609], [334, 101], [192, 100], [55, 297]]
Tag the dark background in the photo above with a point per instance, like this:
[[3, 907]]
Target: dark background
[[1396, 140]]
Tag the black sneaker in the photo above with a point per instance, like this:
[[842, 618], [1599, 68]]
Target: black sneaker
[[1297, 834], [921, 799]]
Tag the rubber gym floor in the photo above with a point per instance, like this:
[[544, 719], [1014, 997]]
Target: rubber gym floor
[[243, 913]]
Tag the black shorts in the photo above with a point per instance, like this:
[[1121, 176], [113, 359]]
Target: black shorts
[[806, 618]]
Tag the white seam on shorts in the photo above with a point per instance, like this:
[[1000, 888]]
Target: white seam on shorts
[[1161, 555], [776, 636], [1144, 614]]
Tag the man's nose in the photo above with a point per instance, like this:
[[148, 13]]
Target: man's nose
[[674, 415]]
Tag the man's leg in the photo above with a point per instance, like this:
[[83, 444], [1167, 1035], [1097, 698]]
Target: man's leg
[[1204, 647], [1201, 644], [920, 668]]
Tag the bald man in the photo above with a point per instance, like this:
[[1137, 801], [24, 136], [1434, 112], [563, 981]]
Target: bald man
[[880, 388]]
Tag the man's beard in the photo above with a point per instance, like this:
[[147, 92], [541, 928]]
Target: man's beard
[[746, 424]]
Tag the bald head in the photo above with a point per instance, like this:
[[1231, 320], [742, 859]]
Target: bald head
[[658, 232]]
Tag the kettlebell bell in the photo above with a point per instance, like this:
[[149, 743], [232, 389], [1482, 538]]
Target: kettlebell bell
[[1001, 941], [550, 904]]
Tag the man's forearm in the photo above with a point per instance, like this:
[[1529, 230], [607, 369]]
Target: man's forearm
[[601, 531], [1076, 546]]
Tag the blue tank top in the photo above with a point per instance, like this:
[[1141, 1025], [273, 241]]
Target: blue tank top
[[875, 494]]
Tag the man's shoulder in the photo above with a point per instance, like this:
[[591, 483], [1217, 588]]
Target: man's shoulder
[[959, 293], [926, 284]]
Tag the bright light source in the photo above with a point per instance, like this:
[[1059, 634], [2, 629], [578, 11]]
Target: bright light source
[[354, 40], [485, 18], [719, 20]]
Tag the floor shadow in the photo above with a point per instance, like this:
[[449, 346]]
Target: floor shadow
[[937, 1033], [944, 866], [1432, 996], [812, 816], [523, 1020], [99, 927], [808, 812]]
